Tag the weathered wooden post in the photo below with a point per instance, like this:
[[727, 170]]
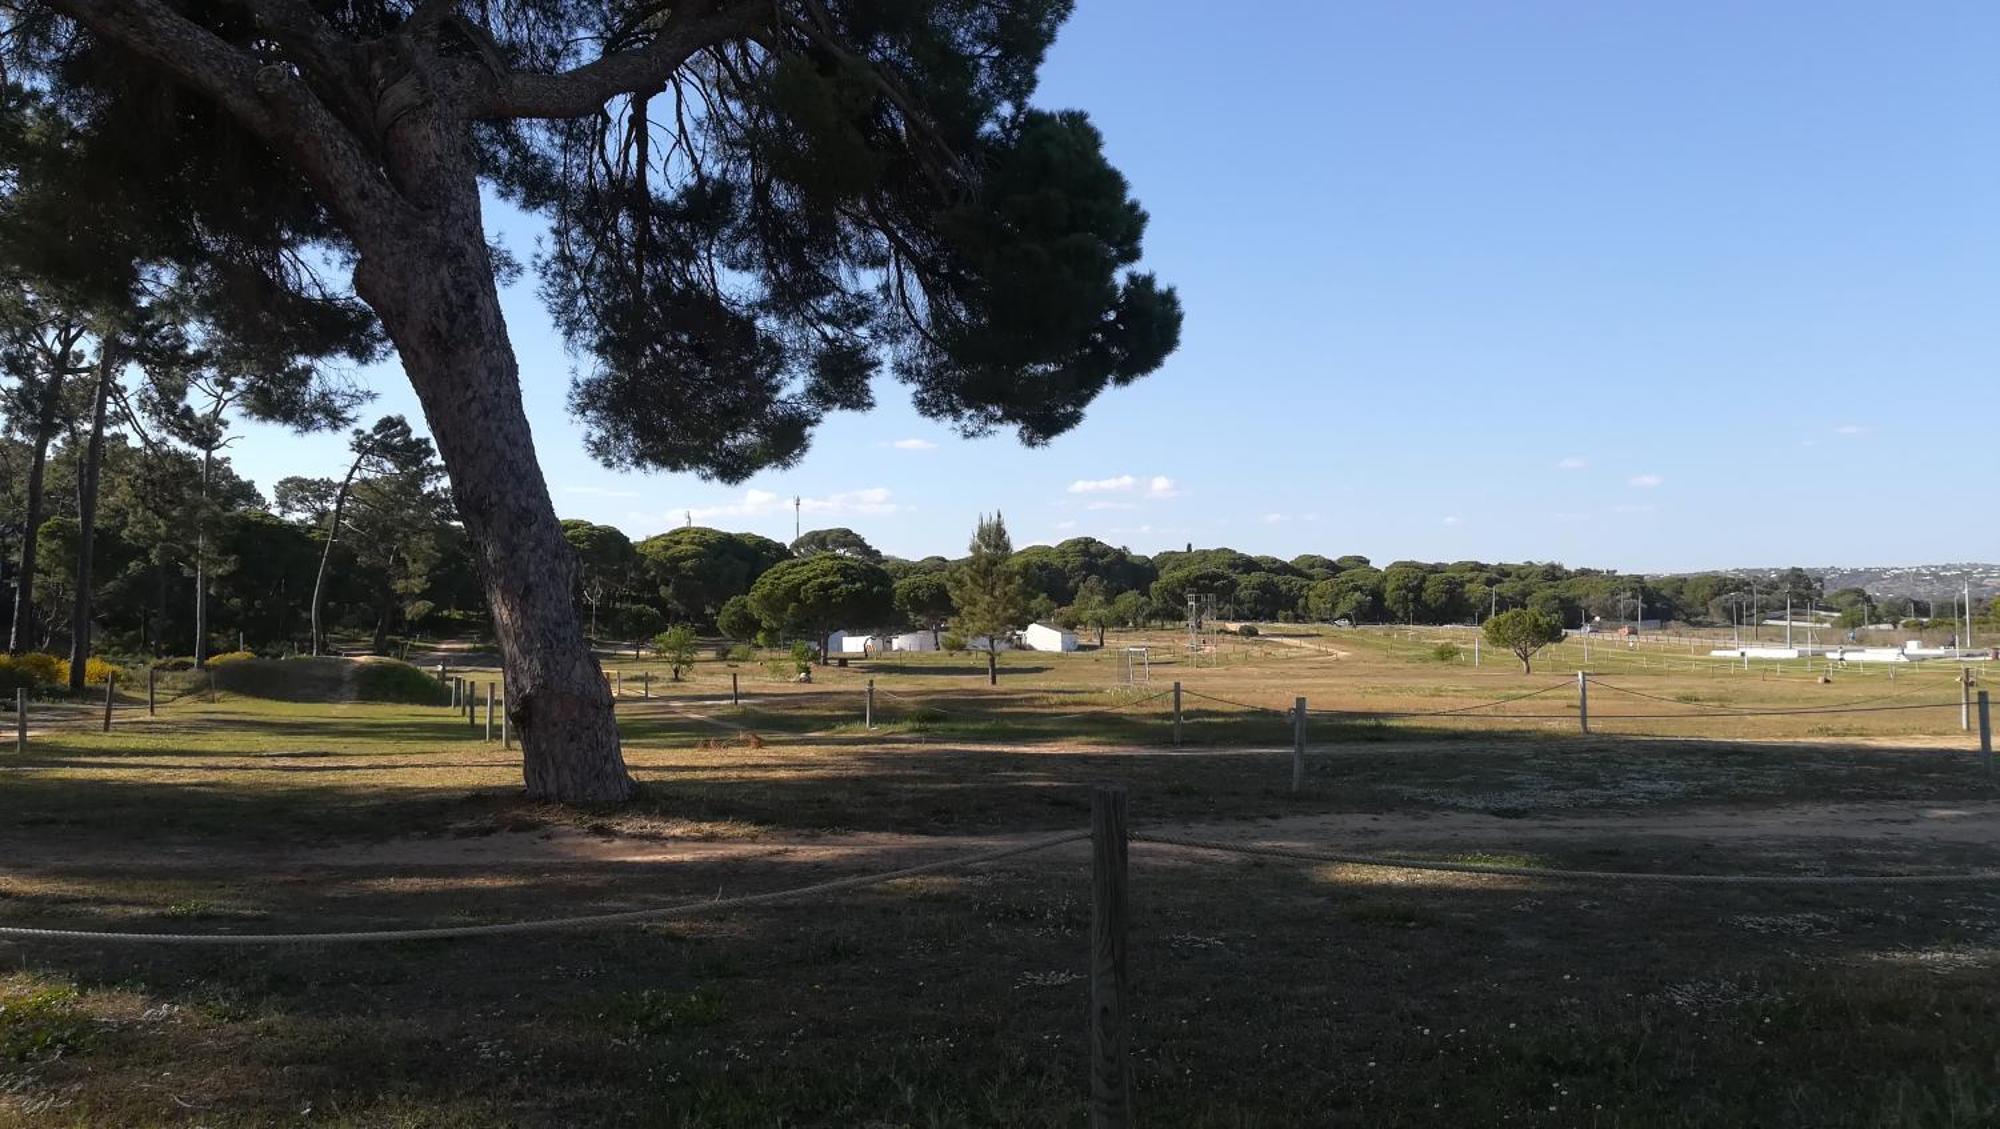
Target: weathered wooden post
[[489, 711], [152, 676], [1298, 744], [20, 721], [455, 687], [734, 698], [1583, 700], [1177, 715], [646, 684], [868, 709], [110, 685], [1985, 733], [1110, 1083]]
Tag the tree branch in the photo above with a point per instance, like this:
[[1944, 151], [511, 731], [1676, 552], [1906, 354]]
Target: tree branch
[[581, 90], [269, 100]]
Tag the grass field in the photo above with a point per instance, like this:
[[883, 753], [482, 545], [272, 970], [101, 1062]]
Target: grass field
[[1267, 992]]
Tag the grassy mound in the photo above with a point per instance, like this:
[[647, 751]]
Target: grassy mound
[[328, 679], [386, 680]]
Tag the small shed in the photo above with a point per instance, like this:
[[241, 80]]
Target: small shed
[[1042, 637], [914, 641]]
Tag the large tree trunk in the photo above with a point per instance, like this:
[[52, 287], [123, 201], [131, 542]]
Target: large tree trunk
[[992, 664], [86, 517], [21, 638], [201, 567], [435, 293]]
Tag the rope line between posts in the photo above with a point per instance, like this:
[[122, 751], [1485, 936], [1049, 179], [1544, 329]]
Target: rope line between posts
[[1450, 712], [545, 925], [1232, 702], [1391, 863], [1715, 706]]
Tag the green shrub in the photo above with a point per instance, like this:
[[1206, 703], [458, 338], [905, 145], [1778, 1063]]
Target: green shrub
[[952, 643], [390, 681], [1247, 629], [742, 653], [1445, 652], [41, 1022], [231, 657]]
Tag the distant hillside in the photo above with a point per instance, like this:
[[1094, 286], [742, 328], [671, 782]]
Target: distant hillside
[[1922, 581]]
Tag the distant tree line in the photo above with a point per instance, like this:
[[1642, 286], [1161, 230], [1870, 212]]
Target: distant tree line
[[185, 549]]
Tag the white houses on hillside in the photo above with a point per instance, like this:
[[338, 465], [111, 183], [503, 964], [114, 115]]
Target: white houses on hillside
[[1042, 637]]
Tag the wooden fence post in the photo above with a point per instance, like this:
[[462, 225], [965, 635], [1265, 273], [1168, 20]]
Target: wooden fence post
[[646, 684], [1177, 715], [20, 721], [110, 683], [734, 698], [152, 675], [868, 710], [1965, 699], [1298, 744], [1110, 1083], [1985, 733], [489, 711], [1583, 700]]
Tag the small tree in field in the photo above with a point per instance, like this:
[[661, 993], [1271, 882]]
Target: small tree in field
[[1523, 631], [987, 592], [737, 620], [676, 645]]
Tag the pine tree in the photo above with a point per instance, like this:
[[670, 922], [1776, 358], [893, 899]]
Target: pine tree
[[988, 593]]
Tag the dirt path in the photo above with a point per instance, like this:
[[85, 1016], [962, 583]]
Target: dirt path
[[1895, 825]]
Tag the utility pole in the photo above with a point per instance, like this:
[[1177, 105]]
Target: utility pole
[[1788, 619], [1965, 637], [797, 532], [1756, 615]]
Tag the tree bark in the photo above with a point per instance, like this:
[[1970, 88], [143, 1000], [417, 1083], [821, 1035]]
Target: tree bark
[[434, 290], [86, 516], [46, 409], [992, 664]]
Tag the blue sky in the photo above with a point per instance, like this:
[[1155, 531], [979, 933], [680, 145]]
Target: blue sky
[[1655, 287]]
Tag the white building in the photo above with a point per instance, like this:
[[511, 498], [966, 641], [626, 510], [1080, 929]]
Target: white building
[[1042, 637], [914, 641]]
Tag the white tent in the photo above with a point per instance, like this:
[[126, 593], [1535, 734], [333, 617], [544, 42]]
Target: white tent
[[914, 641], [1042, 637]]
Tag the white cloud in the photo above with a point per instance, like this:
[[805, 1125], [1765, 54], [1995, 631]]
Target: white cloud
[[914, 445], [1572, 462], [600, 492], [1156, 486], [1119, 484], [874, 501], [1273, 519], [1851, 429], [1453, 519], [1109, 506], [1645, 481]]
